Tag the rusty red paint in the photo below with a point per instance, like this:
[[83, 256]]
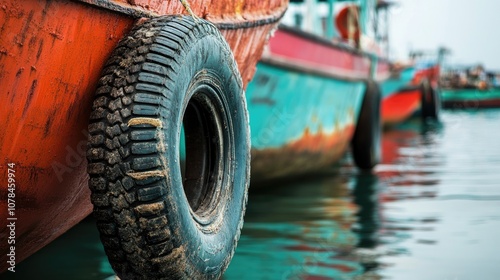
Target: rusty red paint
[[51, 56]]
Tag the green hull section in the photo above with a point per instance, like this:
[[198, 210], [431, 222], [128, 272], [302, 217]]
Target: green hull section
[[470, 98]]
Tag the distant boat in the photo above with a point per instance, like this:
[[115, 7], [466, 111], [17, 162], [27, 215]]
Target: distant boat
[[409, 92], [471, 98], [314, 95], [412, 88], [470, 88]]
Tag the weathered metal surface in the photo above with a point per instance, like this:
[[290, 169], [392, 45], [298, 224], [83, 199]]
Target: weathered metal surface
[[51, 55], [299, 122], [246, 25], [49, 64], [470, 98], [227, 13]]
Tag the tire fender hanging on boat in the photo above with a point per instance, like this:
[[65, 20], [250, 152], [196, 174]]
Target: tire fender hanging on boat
[[365, 144], [431, 103], [156, 220]]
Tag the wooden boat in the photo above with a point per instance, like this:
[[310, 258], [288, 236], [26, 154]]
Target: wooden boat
[[52, 54], [310, 102]]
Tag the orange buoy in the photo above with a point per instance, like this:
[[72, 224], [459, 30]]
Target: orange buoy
[[347, 23]]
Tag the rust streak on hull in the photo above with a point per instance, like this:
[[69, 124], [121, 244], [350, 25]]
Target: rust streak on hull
[[311, 152]]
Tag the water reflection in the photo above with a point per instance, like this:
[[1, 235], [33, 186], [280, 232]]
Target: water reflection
[[429, 211], [301, 231], [334, 227], [77, 254]]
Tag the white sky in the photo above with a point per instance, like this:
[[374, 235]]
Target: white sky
[[470, 28]]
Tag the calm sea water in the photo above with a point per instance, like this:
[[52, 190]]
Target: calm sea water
[[431, 210]]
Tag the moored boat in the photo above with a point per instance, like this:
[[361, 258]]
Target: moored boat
[[471, 98], [470, 88], [167, 69], [413, 86], [410, 91], [313, 97]]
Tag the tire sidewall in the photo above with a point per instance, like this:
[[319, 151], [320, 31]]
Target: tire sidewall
[[366, 139], [430, 101], [208, 250]]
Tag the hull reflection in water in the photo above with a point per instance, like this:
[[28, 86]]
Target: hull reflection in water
[[308, 230], [429, 211]]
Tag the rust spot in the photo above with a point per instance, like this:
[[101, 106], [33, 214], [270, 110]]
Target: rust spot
[[24, 31], [310, 152], [32, 42], [48, 124], [56, 35], [204, 13], [30, 96], [39, 52], [19, 72]]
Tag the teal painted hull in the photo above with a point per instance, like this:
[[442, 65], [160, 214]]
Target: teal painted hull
[[393, 85], [299, 122], [470, 98]]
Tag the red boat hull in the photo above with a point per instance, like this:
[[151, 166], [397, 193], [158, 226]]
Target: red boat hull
[[51, 56], [400, 106]]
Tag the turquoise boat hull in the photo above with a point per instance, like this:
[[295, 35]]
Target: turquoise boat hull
[[299, 122], [394, 84]]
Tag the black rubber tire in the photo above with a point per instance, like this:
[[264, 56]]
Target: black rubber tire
[[154, 222], [431, 103], [365, 143]]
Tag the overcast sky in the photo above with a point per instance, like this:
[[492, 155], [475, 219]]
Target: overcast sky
[[470, 28]]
